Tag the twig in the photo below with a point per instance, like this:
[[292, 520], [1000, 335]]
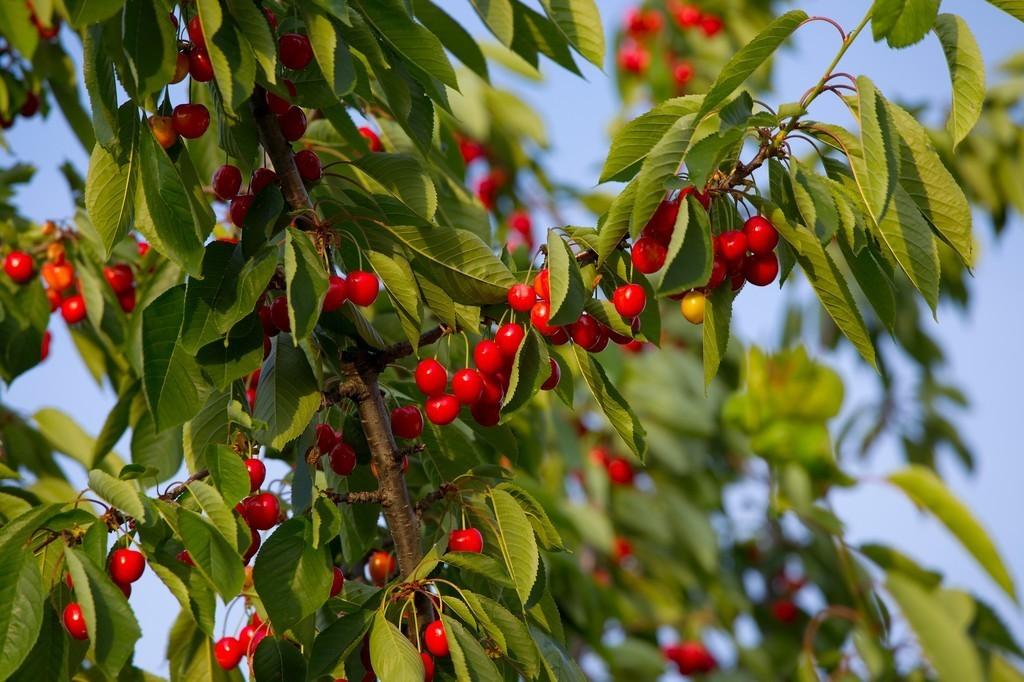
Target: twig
[[176, 491]]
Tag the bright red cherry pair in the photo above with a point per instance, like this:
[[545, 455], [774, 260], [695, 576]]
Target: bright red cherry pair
[[466, 540]]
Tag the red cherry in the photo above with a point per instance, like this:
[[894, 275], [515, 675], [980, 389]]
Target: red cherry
[[184, 557], [468, 386], [380, 567], [435, 640], [309, 166], [431, 377], [295, 51], [257, 473], [337, 582], [276, 104], [762, 237], [228, 652], [279, 314], [630, 300], [521, 297], [539, 316], [199, 65], [493, 392], [488, 358], [467, 540], [620, 470], [690, 657], [271, 18], [126, 565], [520, 222], [227, 180], [688, 16], [428, 667], [248, 638], [72, 309], [761, 269], [487, 190], [486, 413], [326, 438], [719, 270], [542, 284], [292, 123], [119, 277], [343, 459], [662, 224], [682, 73], [239, 208], [442, 409], [509, 337], [622, 548], [190, 120], [195, 32], [127, 301], [363, 287], [784, 611], [59, 276], [732, 245], [554, 377], [262, 511], [19, 266], [585, 332], [372, 139], [30, 106], [44, 348], [74, 621], [648, 255], [407, 422], [711, 25], [337, 293], [261, 177], [633, 57], [54, 297]]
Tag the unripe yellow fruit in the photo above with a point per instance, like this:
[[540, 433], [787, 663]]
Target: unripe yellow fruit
[[692, 306]]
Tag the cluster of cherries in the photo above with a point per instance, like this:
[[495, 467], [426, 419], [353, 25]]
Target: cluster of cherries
[[783, 608], [229, 651], [634, 54], [125, 567], [340, 455]]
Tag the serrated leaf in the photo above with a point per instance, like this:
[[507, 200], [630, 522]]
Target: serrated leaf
[[292, 578], [516, 541], [278, 660], [910, 240], [715, 330], [212, 424], [400, 284], [216, 509], [455, 38], [117, 493], [215, 558], [618, 412], [967, 72], [256, 30], [110, 187], [580, 21], [615, 225], [338, 640], [469, 658], [878, 165], [234, 66], [393, 656], [288, 394], [529, 371], [306, 282], [149, 45], [689, 255], [927, 490], [404, 178], [417, 45], [661, 164], [567, 291], [903, 22], [480, 564], [84, 12], [497, 16], [542, 526], [22, 603], [704, 157], [227, 470]]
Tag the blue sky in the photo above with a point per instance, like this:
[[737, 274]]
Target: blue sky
[[982, 346]]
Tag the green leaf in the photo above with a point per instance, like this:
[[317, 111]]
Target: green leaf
[[227, 470], [110, 186], [468, 656], [661, 164], [150, 46], [516, 541], [234, 66], [967, 72], [117, 493], [400, 283], [22, 603], [402, 177], [16, 19], [877, 167], [615, 223], [636, 139], [715, 330], [580, 21], [115, 424], [216, 509], [910, 240], [173, 383], [705, 156], [98, 74], [84, 12], [393, 656], [519, 645], [690, 253], [237, 356], [893, 560], [306, 279], [288, 394], [618, 412], [330, 50], [455, 38], [546, 532], [339, 640], [65, 435], [927, 490], [749, 58], [530, 369], [942, 640], [497, 16], [210, 426], [828, 282], [557, 663], [1015, 8], [567, 291], [215, 558], [480, 564], [903, 22], [278, 660], [418, 46], [256, 30], [291, 577]]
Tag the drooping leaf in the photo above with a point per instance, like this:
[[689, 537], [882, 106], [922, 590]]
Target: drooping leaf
[[288, 394], [119, 494], [111, 184], [393, 656], [215, 558], [580, 21], [415, 43], [22, 602], [878, 167], [661, 164], [517, 542], [967, 72], [567, 291], [689, 255], [903, 22], [618, 412], [227, 470], [529, 370], [306, 281], [497, 16], [292, 578], [278, 660], [715, 330]]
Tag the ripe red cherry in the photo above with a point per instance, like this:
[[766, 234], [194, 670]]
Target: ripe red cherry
[[732, 245], [380, 567], [19, 266], [276, 104], [195, 32], [428, 667], [271, 18], [520, 222], [682, 73], [72, 309], [248, 637], [295, 51], [633, 57], [337, 293], [163, 131], [762, 237], [190, 120], [181, 66], [620, 470], [442, 409], [431, 377], [719, 270], [309, 166], [257, 471], [662, 224], [435, 640], [485, 413], [521, 297], [553, 378], [539, 316], [292, 123], [509, 337], [126, 565], [542, 284], [74, 621], [630, 300], [239, 208], [585, 332], [44, 348], [337, 582], [372, 139], [54, 297], [761, 269], [227, 180], [119, 277], [59, 276], [468, 386], [487, 190], [261, 177], [493, 392], [228, 652], [648, 255], [784, 611], [326, 438], [343, 459], [711, 25], [688, 16], [30, 106], [262, 511], [467, 540], [407, 422], [363, 287], [279, 314], [199, 65], [488, 357], [690, 657]]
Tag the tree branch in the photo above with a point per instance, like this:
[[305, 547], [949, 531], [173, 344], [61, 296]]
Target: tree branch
[[176, 491]]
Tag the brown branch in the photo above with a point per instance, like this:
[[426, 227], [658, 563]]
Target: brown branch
[[176, 491], [443, 491], [364, 497], [359, 369], [379, 359]]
